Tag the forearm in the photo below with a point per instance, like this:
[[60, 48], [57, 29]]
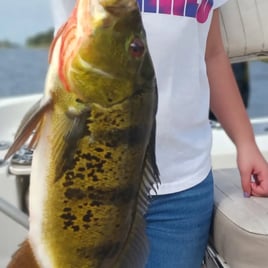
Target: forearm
[[228, 106], [226, 102]]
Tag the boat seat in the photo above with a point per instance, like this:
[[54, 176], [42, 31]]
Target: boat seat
[[239, 231]]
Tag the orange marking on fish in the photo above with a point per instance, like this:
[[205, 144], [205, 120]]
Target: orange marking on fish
[[53, 43], [66, 54], [71, 42]]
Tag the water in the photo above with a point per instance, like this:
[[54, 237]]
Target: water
[[23, 71]]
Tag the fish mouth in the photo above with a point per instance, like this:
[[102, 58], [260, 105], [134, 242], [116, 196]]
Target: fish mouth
[[100, 12], [99, 9], [117, 7]]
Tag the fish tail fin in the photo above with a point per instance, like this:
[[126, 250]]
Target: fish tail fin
[[23, 257]]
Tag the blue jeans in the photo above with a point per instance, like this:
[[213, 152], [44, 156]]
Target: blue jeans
[[178, 226]]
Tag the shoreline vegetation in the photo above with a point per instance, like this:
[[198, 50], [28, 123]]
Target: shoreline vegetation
[[39, 40], [43, 40]]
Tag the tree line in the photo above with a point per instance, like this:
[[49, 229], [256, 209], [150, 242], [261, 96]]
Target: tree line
[[41, 39]]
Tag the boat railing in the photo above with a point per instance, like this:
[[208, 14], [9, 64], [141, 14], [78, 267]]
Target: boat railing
[[20, 167], [14, 213]]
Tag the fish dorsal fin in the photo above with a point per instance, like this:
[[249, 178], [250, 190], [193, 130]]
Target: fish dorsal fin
[[23, 257], [136, 251], [30, 123]]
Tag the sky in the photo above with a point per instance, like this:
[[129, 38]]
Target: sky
[[20, 19]]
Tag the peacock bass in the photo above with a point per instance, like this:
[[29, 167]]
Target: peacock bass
[[93, 135]]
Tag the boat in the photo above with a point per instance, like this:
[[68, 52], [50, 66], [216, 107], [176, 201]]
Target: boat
[[229, 202], [239, 233]]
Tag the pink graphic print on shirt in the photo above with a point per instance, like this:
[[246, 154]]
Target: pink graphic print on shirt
[[187, 8]]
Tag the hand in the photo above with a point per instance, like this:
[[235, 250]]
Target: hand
[[253, 170]]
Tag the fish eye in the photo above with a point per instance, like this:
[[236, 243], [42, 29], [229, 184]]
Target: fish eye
[[136, 48]]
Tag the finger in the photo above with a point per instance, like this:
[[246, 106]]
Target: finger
[[258, 190], [246, 183], [255, 193]]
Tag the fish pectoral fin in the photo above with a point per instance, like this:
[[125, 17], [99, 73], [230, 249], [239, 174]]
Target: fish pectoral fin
[[75, 127], [30, 126], [23, 257]]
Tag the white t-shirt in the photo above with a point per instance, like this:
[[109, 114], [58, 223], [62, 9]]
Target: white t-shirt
[[177, 32], [177, 45]]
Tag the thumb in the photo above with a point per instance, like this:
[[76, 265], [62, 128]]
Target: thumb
[[246, 182]]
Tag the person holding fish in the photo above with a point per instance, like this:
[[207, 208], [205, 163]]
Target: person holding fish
[[193, 73], [96, 123]]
